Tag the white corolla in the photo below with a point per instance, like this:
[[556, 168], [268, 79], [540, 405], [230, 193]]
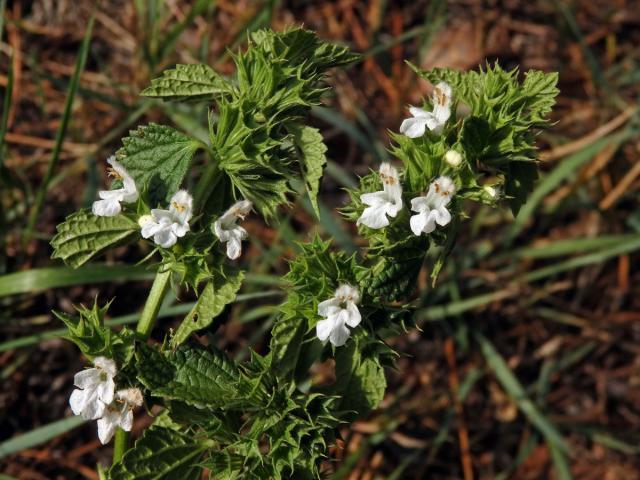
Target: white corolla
[[340, 312], [421, 119], [95, 389], [110, 201], [432, 208], [119, 413], [229, 232], [166, 226], [383, 204]]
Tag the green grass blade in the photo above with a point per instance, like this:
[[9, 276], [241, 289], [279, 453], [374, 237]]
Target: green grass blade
[[6, 107], [62, 130], [39, 435], [567, 247], [37, 280], [515, 390], [565, 169], [631, 245]]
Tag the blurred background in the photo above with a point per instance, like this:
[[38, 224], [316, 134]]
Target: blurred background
[[527, 364]]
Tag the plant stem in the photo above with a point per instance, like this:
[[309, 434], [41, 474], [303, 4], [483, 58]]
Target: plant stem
[[144, 328], [120, 445], [152, 306], [204, 187]]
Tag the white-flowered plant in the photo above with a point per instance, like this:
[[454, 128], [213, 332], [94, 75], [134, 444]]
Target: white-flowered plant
[[110, 201], [215, 412], [339, 312], [384, 204], [119, 413], [166, 226], [95, 389], [435, 120], [432, 208], [228, 231]]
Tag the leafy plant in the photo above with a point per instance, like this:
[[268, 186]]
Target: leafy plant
[[267, 417]]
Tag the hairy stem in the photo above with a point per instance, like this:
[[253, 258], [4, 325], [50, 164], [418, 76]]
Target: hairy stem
[[144, 328]]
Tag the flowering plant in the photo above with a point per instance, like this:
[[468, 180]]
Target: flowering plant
[[265, 417]]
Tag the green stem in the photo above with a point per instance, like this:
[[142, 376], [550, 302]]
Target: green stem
[[144, 328], [152, 306], [120, 445], [205, 185]]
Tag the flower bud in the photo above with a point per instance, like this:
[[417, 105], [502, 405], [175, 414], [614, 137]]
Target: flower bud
[[492, 192], [453, 158], [144, 219]]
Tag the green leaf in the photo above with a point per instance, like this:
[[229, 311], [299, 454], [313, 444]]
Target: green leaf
[[217, 293], [520, 178], [360, 377], [312, 158], [197, 376], [157, 157], [84, 235], [161, 454], [187, 82], [93, 339]]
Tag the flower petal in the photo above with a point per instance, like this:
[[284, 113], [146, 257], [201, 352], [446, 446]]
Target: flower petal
[[324, 328], [87, 378], [106, 208], [442, 216], [418, 222], [323, 307], [374, 217], [339, 335], [234, 248], [165, 238], [106, 428], [418, 112], [414, 127], [374, 199], [353, 315]]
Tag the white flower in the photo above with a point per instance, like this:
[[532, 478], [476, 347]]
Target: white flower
[[386, 202], [95, 389], [434, 121], [432, 208], [227, 231], [119, 413], [166, 226], [453, 158], [339, 311], [109, 205]]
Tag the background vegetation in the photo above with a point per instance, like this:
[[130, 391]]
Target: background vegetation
[[528, 362]]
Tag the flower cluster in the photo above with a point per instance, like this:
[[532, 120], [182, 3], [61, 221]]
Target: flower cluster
[[96, 398], [167, 226], [430, 209]]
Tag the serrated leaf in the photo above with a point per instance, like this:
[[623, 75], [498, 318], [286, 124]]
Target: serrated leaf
[[361, 381], [84, 235], [312, 158], [287, 336], [187, 82], [161, 454], [217, 293], [197, 376], [157, 157]]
